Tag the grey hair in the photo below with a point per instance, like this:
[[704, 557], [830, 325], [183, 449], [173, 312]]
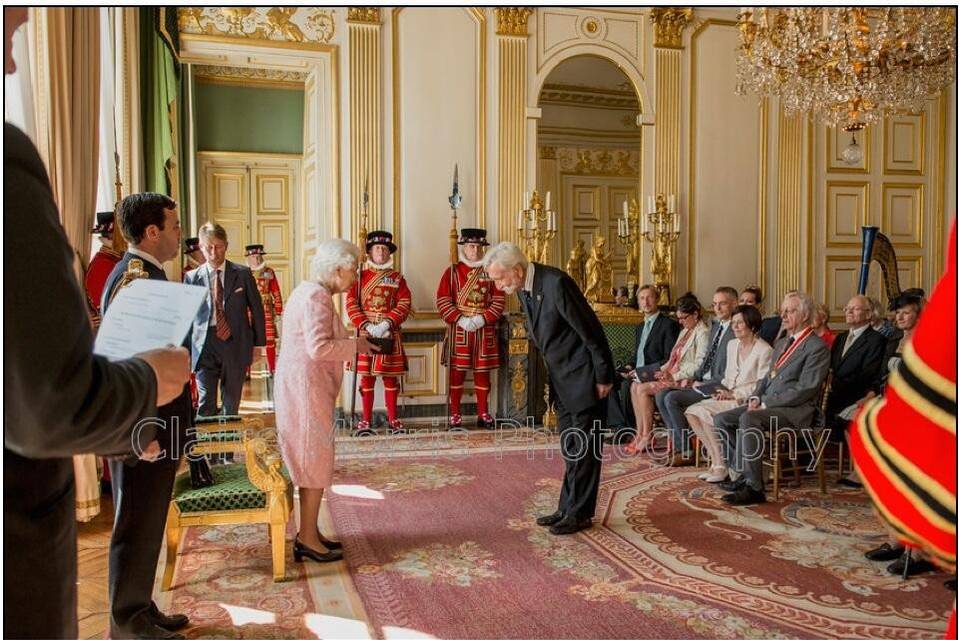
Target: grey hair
[[807, 304], [212, 230], [332, 254], [507, 255]]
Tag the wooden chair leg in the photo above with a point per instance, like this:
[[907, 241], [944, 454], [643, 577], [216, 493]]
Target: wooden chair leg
[[776, 479], [173, 544], [822, 476], [696, 449], [278, 546]]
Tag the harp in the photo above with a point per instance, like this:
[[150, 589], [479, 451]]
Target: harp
[[877, 246]]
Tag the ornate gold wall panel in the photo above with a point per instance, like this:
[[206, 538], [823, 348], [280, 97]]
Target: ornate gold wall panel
[[668, 26], [848, 207], [512, 43], [903, 144], [838, 140], [290, 24], [366, 116], [901, 217], [789, 204]]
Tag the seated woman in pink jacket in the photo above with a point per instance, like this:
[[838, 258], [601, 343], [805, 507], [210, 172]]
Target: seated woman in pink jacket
[[309, 371]]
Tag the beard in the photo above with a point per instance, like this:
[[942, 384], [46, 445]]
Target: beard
[[509, 289]]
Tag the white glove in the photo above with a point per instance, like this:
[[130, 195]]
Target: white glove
[[379, 330], [478, 322], [464, 323]]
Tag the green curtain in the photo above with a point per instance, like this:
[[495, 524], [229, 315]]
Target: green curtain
[[159, 82]]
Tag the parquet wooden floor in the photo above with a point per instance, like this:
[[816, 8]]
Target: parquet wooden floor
[[93, 538]]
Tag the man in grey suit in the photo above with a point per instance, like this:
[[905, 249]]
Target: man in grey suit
[[223, 337], [580, 365], [785, 398], [59, 398], [671, 403]]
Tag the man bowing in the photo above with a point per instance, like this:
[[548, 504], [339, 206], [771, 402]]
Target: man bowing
[[580, 365]]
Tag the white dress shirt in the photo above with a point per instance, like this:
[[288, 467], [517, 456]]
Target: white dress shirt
[[145, 256]]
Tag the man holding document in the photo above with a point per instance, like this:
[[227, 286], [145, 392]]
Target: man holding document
[[141, 490], [59, 398]]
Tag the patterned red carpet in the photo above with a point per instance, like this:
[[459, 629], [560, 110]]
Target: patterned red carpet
[[445, 546], [451, 550]]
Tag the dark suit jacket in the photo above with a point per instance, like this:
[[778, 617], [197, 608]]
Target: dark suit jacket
[[659, 342], [176, 416], [59, 399], [240, 294], [770, 329], [718, 367], [570, 338], [855, 373]]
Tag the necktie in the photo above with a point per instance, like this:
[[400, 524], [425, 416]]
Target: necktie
[[712, 353], [644, 334], [223, 329], [847, 343]]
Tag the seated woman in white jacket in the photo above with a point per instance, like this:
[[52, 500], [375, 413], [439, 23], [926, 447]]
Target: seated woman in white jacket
[[748, 360], [685, 358]]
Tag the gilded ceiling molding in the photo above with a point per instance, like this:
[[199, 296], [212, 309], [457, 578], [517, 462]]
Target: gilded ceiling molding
[[363, 14], [587, 96], [248, 73], [512, 21], [668, 26], [285, 24]]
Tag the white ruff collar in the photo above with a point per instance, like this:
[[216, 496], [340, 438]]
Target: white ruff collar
[[379, 267], [469, 263], [259, 266]]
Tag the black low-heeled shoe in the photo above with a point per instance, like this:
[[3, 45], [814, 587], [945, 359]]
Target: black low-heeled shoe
[[300, 551], [332, 544]]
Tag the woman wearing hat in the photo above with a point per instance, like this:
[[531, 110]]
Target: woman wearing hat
[[269, 288], [471, 303], [377, 305]]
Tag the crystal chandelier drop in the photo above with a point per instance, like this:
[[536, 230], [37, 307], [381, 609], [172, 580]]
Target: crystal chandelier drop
[[848, 65]]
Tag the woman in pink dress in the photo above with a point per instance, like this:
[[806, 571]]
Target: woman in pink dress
[[309, 372]]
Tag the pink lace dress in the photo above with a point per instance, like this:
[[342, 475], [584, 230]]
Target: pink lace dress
[[310, 367]]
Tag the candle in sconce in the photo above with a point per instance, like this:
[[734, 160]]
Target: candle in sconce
[[620, 227], [548, 201], [520, 221], [526, 199], [624, 208], [671, 201], [553, 216], [676, 223]]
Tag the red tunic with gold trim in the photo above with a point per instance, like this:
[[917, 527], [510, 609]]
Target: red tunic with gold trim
[[269, 288], [476, 295], [905, 442], [384, 295], [97, 273]]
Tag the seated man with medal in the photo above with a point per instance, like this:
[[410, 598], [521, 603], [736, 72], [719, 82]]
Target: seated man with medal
[[787, 395]]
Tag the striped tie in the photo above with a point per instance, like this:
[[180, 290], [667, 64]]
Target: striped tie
[[223, 329]]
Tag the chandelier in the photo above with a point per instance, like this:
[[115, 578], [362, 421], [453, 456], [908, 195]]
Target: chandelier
[[848, 65]]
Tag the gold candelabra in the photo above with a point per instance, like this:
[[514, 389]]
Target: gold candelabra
[[661, 228], [629, 235], [536, 226]]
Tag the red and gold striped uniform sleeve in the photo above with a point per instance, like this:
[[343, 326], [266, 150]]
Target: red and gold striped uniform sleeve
[[905, 442], [402, 303], [275, 293], [445, 303], [497, 302], [354, 311]]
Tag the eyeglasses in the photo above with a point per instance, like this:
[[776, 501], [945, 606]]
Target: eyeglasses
[[682, 317], [849, 309]]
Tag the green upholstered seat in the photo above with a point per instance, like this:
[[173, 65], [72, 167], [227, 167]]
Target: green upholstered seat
[[231, 490], [622, 341]]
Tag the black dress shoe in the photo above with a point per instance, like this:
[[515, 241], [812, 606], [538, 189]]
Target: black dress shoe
[[301, 551], [745, 495], [570, 525], [200, 474], [144, 627], [552, 519], [331, 544], [732, 485], [917, 566], [170, 623], [886, 551], [847, 482]]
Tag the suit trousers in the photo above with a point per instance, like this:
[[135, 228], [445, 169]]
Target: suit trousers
[[219, 367], [619, 408], [742, 440], [581, 444], [141, 497], [671, 403], [39, 549]]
